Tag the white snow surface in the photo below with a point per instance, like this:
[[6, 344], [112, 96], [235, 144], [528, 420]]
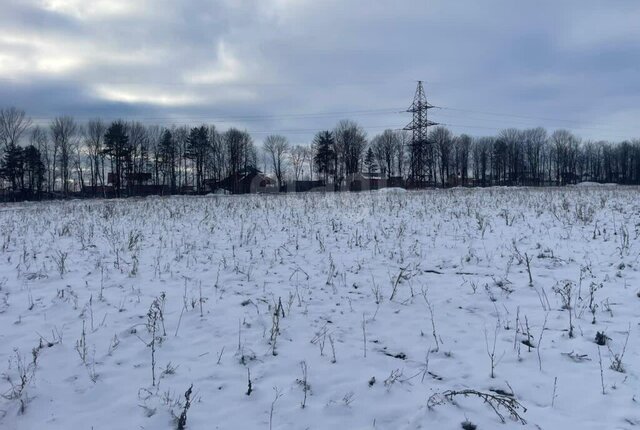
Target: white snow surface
[[595, 184], [457, 260]]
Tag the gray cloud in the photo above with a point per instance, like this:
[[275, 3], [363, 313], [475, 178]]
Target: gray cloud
[[556, 64]]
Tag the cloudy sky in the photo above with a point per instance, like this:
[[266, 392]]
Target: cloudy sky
[[296, 66]]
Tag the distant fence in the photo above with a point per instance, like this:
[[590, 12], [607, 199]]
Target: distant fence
[[253, 187]]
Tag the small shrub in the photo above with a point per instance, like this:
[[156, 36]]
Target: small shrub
[[601, 338], [468, 425]]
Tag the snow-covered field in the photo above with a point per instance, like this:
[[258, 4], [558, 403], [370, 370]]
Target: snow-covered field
[[386, 300]]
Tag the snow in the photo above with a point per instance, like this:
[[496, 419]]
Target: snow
[[595, 184], [333, 261], [392, 190]]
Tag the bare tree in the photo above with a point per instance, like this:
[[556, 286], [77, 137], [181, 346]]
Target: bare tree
[[155, 135], [385, 148], [249, 153], [564, 148], [463, 152], [40, 141], [240, 154], [13, 123], [534, 141], [94, 141], [298, 157], [139, 157], [481, 159], [264, 160], [309, 151], [351, 142], [80, 157], [403, 142], [512, 153], [181, 138], [64, 131], [277, 147], [216, 157], [443, 141]]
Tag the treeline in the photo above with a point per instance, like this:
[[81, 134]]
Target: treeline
[[67, 157], [70, 157]]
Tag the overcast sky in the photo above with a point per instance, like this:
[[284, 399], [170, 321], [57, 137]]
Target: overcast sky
[[296, 66]]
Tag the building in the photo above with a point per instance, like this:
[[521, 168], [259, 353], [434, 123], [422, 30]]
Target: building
[[248, 181]]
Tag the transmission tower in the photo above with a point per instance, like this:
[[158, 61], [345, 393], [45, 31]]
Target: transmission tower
[[419, 138]]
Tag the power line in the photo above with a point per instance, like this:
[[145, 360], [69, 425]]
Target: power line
[[315, 130], [524, 119], [529, 119], [509, 115], [618, 136], [243, 118], [391, 111], [380, 127], [535, 123]]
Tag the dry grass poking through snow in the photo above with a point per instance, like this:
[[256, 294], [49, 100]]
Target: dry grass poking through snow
[[323, 311]]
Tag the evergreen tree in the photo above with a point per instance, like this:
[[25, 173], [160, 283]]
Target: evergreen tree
[[325, 153], [12, 166], [197, 146], [370, 162], [116, 145], [34, 169]]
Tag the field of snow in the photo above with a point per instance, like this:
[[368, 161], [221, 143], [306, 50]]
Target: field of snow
[[348, 311]]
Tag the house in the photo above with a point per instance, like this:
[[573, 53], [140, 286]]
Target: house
[[373, 181], [362, 181], [396, 182], [246, 181], [304, 186]]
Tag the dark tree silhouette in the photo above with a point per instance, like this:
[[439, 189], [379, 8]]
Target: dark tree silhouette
[[13, 123], [12, 166], [94, 140], [241, 154], [168, 155], [34, 170], [64, 131], [442, 140], [370, 162], [351, 142], [277, 147], [385, 147], [116, 146], [197, 147], [325, 156]]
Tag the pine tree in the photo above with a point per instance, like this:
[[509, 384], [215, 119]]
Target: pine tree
[[325, 153], [197, 145], [34, 169], [370, 162], [116, 145], [12, 166]]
